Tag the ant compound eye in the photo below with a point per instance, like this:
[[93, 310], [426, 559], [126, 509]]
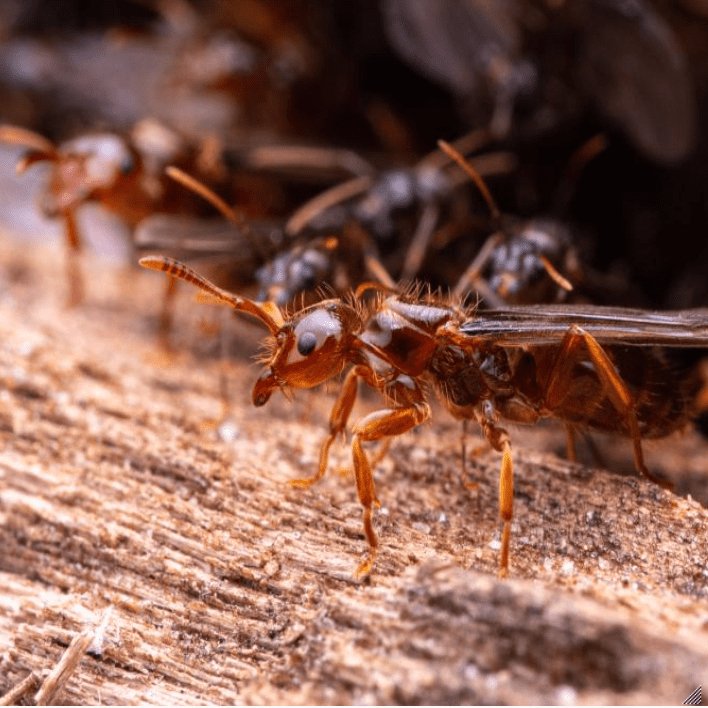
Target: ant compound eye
[[312, 332], [306, 343], [127, 165]]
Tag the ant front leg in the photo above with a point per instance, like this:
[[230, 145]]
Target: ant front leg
[[337, 422], [73, 266], [560, 381], [377, 425]]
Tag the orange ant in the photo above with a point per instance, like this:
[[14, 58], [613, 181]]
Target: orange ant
[[121, 173], [598, 368]]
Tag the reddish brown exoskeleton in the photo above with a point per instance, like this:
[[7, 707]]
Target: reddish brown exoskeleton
[[589, 367]]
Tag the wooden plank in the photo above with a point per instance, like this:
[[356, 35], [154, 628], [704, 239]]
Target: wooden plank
[[201, 577]]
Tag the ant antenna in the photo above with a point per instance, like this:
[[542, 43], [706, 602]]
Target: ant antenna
[[193, 184], [209, 195], [577, 163], [40, 148], [266, 312], [24, 137], [465, 165]]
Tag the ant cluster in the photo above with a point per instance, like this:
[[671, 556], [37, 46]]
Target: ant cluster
[[541, 340]]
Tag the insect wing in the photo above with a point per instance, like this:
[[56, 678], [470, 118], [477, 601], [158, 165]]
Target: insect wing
[[546, 324], [193, 236], [633, 66], [452, 41]]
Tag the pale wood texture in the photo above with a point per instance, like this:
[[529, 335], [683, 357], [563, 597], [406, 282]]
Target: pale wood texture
[[201, 577]]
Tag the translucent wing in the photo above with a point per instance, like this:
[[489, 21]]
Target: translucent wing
[[452, 41], [634, 68], [546, 324], [197, 237]]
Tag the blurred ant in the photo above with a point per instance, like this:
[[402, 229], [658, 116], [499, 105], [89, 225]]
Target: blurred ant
[[524, 261], [102, 168], [398, 200], [527, 261], [122, 174]]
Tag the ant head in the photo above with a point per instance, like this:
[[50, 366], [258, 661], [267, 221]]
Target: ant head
[[89, 165], [309, 349], [303, 351]]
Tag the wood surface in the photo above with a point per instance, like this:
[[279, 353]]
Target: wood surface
[[147, 558]]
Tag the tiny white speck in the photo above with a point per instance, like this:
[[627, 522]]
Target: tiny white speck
[[228, 431], [566, 696], [62, 398], [471, 672], [26, 349], [495, 544], [568, 567], [491, 681], [418, 455], [442, 519]]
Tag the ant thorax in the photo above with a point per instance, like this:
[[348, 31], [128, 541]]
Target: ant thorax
[[403, 335]]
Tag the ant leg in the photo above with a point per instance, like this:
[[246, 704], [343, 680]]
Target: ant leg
[[376, 425], [570, 451], [419, 243], [472, 277], [306, 159], [222, 332], [337, 422], [384, 447], [506, 506], [166, 315], [463, 448], [73, 267], [311, 209], [378, 271], [224, 393], [557, 383], [498, 438], [597, 456], [375, 458]]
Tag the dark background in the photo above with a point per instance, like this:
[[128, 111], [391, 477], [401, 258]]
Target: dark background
[[388, 78]]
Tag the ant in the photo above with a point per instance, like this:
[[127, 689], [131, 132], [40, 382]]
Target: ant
[[94, 167], [591, 367], [121, 173], [379, 202], [524, 261]]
